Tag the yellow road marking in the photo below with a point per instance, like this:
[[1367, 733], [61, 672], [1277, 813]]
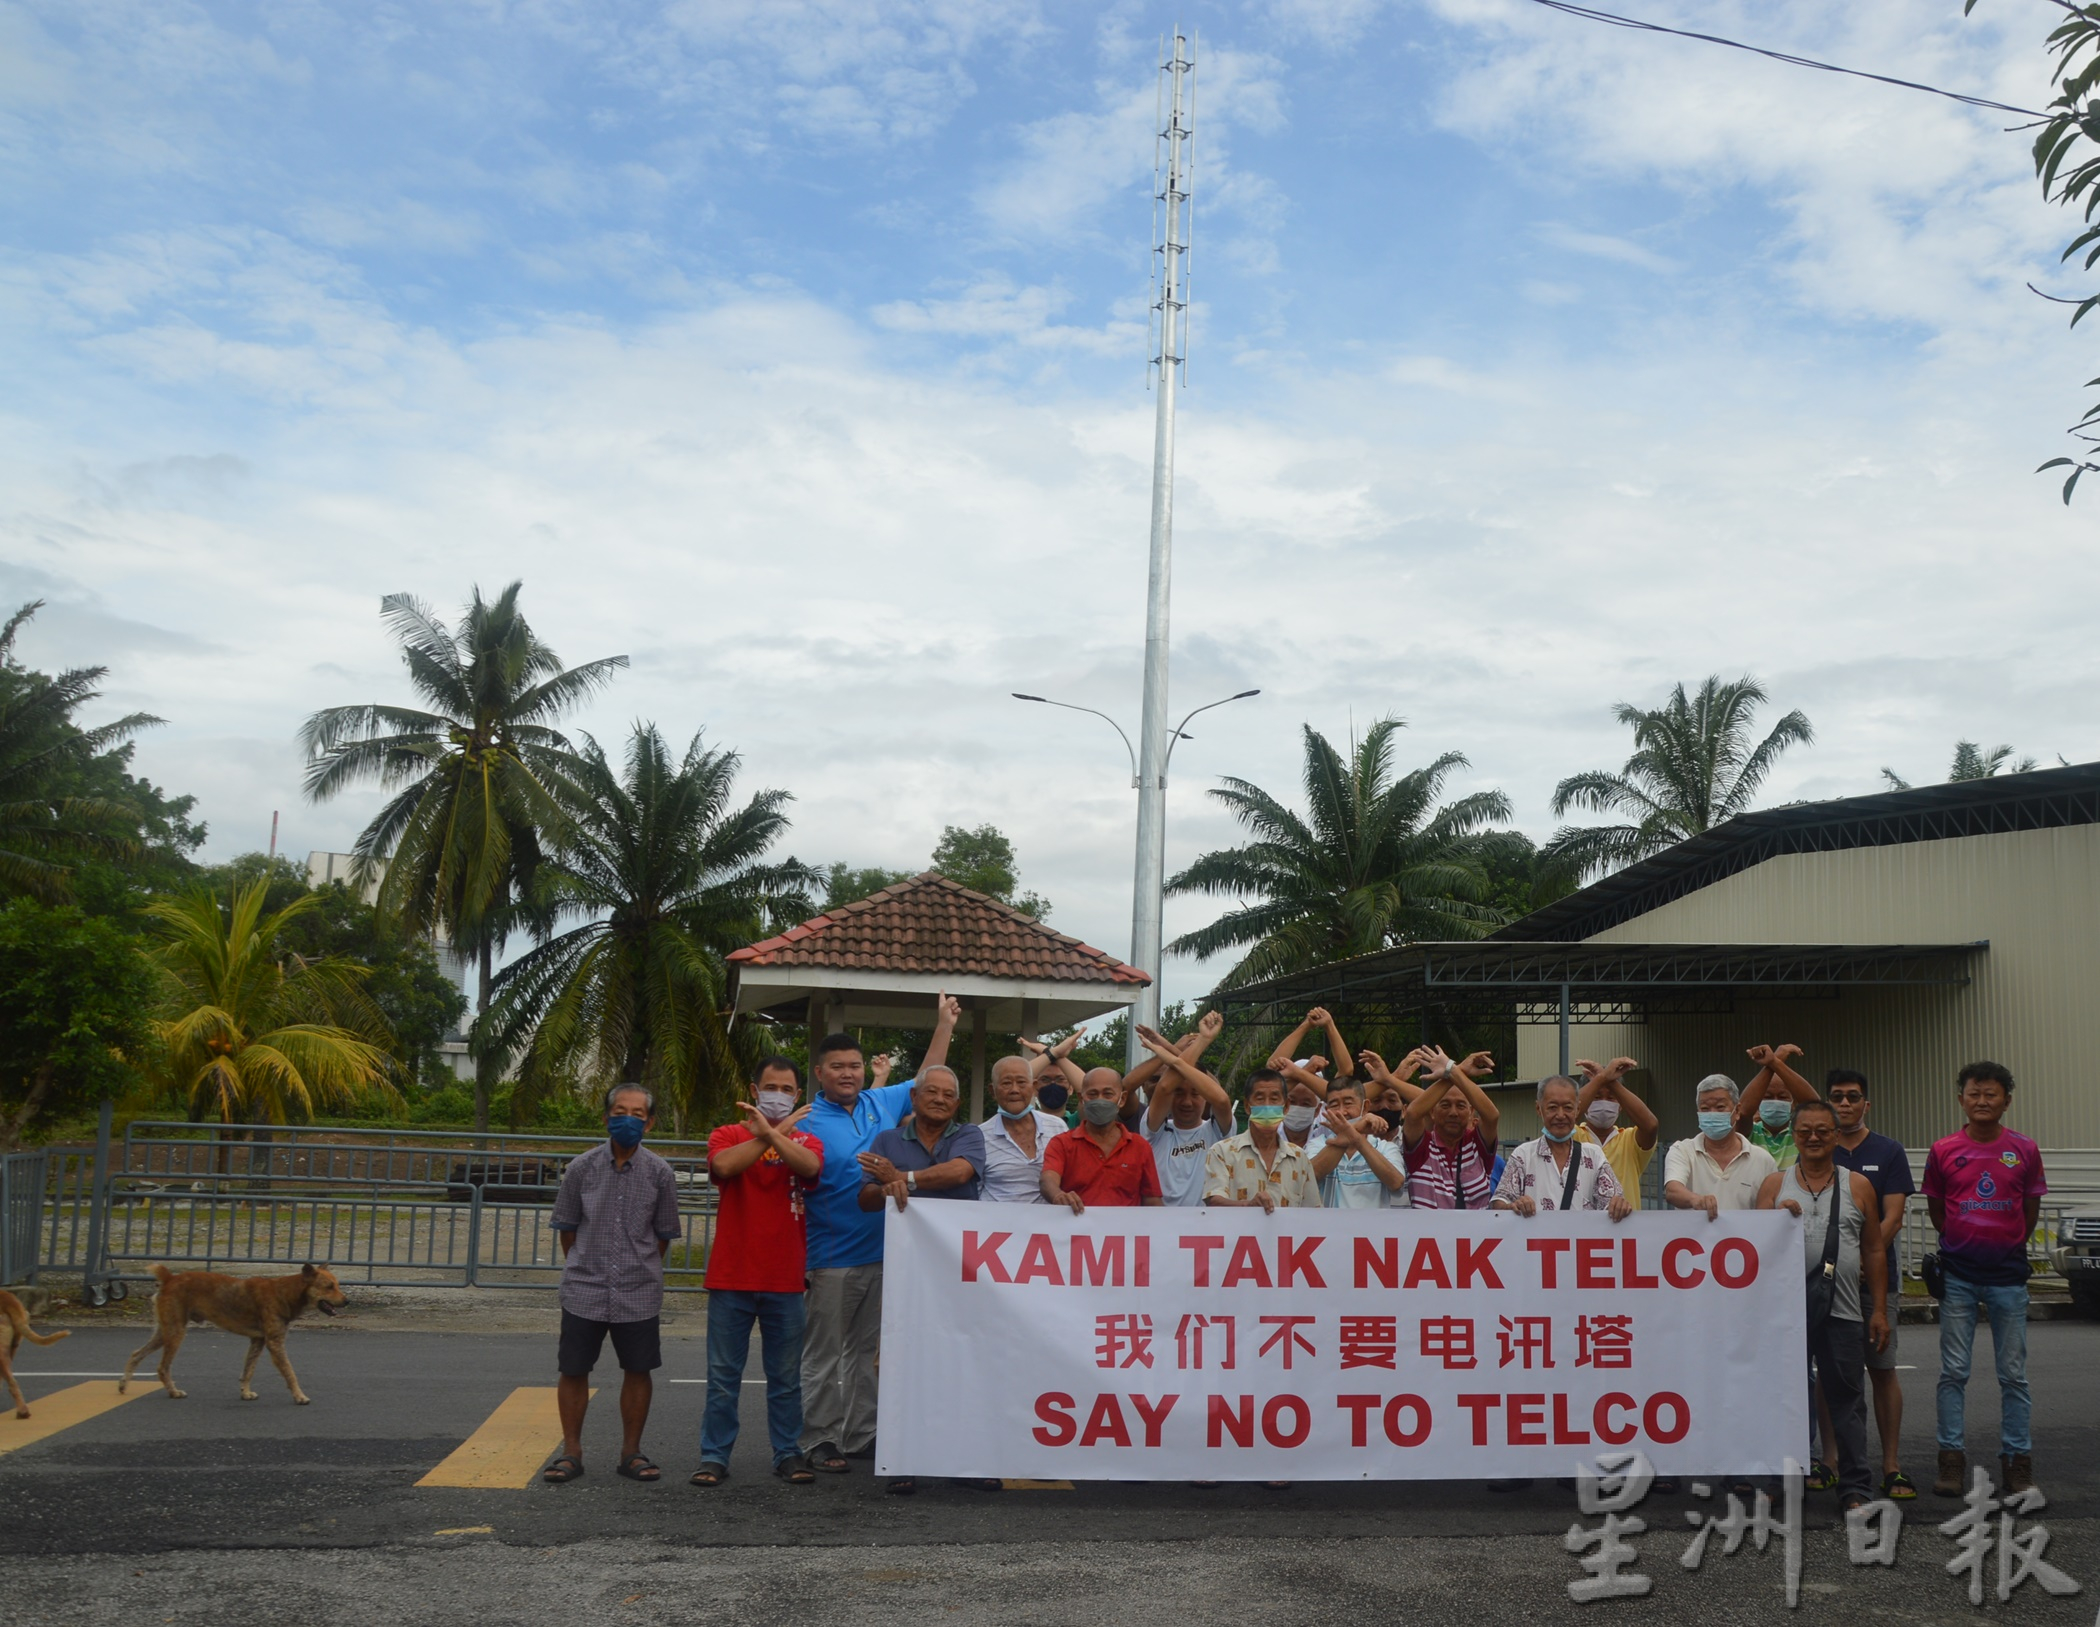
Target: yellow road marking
[[506, 1452], [62, 1409], [1036, 1485], [466, 1531]]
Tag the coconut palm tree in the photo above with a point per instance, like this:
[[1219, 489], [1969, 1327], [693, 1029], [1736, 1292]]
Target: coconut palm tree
[[41, 748], [1373, 861], [1971, 762], [1692, 767], [253, 1032], [477, 780], [662, 877]]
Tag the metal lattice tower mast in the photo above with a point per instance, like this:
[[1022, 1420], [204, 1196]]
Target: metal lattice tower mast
[[1174, 221]]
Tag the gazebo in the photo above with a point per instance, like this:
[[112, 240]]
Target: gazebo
[[884, 961]]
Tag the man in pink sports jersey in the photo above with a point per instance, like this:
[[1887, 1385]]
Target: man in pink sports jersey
[[1984, 1186]]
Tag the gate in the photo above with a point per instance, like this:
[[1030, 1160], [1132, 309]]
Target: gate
[[21, 1215], [386, 1208]]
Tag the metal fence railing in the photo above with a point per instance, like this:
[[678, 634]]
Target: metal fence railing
[[21, 1215], [389, 1208]]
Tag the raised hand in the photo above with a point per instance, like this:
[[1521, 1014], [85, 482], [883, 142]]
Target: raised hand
[[1590, 1070], [1318, 1017], [1063, 1048], [1760, 1054], [1621, 1066], [879, 1069], [1339, 1123], [1374, 1065], [1781, 1053], [1034, 1047], [1210, 1025], [1480, 1064], [947, 1009]]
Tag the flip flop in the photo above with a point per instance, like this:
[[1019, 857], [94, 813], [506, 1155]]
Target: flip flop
[[562, 1470], [828, 1459], [906, 1487], [796, 1471], [637, 1467], [1896, 1486], [710, 1474], [1821, 1476]]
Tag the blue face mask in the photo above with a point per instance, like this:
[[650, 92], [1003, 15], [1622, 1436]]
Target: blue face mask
[[1775, 1114], [1714, 1126], [1557, 1140], [1016, 1114], [625, 1130]]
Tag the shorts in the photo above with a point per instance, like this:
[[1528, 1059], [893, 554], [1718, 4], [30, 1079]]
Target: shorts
[[637, 1346], [1884, 1359]]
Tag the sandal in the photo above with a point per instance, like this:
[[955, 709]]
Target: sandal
[[796, 1471], [907, 1487], [828, 1459], [710, 1474], [1852, 1500], [1896, 1486], [562, 1470], [637, 1467], [1821, 1476]]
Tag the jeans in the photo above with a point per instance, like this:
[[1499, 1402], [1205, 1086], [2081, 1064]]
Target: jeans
[[730, 1314], [2006, 1306], [1839, 1352]]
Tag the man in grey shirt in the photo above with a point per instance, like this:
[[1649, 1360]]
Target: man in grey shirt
[[616, 1213]]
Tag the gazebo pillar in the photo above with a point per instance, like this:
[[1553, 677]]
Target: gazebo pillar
[[977, 1080]]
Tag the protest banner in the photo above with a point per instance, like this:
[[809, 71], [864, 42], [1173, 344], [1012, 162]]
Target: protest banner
[[1319, 1344]]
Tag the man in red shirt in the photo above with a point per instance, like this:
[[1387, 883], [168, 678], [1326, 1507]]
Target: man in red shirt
[[760, 1169], [1101, 1162]]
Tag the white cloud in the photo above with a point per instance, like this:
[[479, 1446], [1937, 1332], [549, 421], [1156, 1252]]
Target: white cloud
[[1601, 246], [994, 308]]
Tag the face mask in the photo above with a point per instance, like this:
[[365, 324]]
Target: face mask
[[776, 1104], [1268, 1115], [1775, 1114], [1603, 1115], [1557, 1140], [1016, 1114], [1052, 1097], [625, 1130], [1300, 1118], [1714, 1126], [1100, 1112]]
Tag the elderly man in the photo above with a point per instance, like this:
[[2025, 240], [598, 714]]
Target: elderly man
[[1847, 1279], [1261, 1167], [616, 1214], [760, 1170], [1357, 1169], [1605, 1098], [1555, 1171], [1015, 1136], [1717, 1168], [1448, 1135], [930, 1154], [1189, 1113], [843, 1331], [1101, 1163]]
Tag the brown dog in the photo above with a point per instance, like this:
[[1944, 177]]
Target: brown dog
[[260, 1309], [19, 1329]]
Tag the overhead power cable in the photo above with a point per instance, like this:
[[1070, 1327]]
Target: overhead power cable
[[1591, 14]]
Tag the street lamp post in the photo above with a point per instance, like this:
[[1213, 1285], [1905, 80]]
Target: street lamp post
[[1148, 897]]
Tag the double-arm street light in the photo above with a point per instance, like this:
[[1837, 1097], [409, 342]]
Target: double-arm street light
[[1148, 895]]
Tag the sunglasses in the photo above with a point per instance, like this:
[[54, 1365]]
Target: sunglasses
[[1808, 1132], [1845, 1096]]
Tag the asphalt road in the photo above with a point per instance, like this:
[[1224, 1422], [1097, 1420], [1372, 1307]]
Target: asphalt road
[[215, 1509]]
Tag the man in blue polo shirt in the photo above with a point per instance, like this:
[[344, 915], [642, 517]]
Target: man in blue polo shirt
[[843, 1309]]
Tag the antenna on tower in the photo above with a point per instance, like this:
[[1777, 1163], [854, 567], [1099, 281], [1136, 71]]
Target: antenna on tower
[[1173, 219]]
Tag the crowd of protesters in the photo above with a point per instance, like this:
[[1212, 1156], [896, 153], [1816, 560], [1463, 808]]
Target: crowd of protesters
[[802, 1185]]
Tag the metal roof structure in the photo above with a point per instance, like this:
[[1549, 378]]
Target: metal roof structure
[[2043, 799], [1493, 979]]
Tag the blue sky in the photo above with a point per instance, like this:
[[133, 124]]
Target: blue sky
[[796, 350]]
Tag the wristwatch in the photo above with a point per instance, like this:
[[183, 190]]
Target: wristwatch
[[911, 1180]]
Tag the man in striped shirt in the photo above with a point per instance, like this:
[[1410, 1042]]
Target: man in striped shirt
[[1448, 1135]]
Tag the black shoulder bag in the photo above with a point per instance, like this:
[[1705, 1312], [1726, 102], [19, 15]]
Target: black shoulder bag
[[1822, 1284], [1567, 1191]]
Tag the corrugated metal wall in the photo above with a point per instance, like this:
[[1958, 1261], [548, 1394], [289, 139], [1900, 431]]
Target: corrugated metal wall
[[2033, 1004]]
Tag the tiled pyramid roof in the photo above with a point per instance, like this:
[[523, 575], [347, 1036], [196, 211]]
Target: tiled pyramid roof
[[930, 925]]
